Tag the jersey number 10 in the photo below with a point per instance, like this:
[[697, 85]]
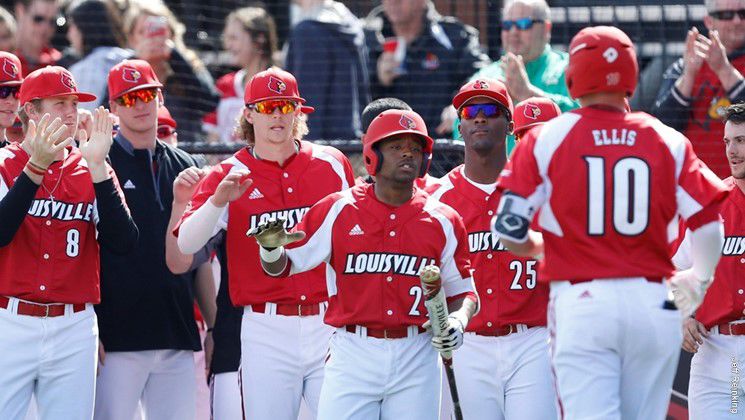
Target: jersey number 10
[[630, 200]]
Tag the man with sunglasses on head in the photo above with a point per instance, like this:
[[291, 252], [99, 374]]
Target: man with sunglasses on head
[[37, 24], [146, 316], [697, 89], [512, 320], [529, 66], [606, 188], [61, 206], [10, 84], [277, 177]]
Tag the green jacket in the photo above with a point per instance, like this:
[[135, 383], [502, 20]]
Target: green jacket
[[545, 73]]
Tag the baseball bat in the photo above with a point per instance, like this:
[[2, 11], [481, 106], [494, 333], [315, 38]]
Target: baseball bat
[[434, 301]]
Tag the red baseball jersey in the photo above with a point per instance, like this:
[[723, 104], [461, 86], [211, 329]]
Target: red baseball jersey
[[507, 284], [53, 258], [287, 192], [609, 186], [375, 252], [725, 299]]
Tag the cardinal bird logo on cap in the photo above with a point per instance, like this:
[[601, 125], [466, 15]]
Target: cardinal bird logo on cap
[[407, 123], [532, 111], [10, 68], [67, 81], [276, 85], [131, 75], [480, 84]]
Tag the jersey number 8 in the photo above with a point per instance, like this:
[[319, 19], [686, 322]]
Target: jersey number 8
[[73, 243]]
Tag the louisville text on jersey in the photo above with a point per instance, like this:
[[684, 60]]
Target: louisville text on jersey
[[484, 241], [382, 262], [60, 210], [734, 245], [291, 217]]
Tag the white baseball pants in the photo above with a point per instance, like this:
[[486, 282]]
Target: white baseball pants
[[372, 378], [506, 377], [53, 359], [163, 380], [282, 360], [715, 387], [614, 348]]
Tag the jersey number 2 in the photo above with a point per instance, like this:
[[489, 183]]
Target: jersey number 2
[[530, 274], [630, 201]]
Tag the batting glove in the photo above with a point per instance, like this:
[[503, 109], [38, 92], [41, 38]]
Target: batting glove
[[688, 291], [273, 234], [452, 338]]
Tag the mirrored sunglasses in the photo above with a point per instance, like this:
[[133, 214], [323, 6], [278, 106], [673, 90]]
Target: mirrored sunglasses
[[267, 107], [470, 112], [145, 95], [522, 24]]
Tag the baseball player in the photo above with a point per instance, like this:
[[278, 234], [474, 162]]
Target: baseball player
[[282, 331], [375, 239], [58, 205], [503, 369], [533, 112], [717, 333], [10, 84], [610, 186]]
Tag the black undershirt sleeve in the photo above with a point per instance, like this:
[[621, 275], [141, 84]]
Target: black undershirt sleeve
[[14, 206], [116, 228]]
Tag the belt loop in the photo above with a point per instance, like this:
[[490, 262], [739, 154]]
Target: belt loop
[[361, 331], [270, 308]]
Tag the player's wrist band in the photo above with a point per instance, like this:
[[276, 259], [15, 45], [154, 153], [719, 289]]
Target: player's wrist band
[[36, 165], [34, 169], [270, 255]]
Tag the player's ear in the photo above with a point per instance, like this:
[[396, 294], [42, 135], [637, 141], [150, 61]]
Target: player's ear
[[31, 110], [161, 99], [247, 115]]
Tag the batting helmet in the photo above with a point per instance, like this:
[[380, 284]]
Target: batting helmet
[[601, 59], [390, 123], [532, 112]]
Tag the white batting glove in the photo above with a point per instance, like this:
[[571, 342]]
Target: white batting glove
[[452, 337], [688, 291]]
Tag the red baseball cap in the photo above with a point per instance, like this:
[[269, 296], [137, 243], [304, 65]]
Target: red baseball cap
[[164, 117], [532, 112], [485, 88], [10, 69], [51, 82], [274, 83], [131, 75]]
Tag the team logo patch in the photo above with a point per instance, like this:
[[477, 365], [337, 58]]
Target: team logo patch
[[431, 62], [612, 79], [610, 55], [532, 111], [131, 75], [480, 84], [10, 68], [67, 81], [276, 85], [407, 123]]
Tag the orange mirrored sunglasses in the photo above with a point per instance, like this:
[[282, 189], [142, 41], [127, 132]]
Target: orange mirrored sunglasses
[[145, 95]]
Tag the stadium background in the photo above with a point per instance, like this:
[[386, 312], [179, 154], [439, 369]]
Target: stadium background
[[657, 27]]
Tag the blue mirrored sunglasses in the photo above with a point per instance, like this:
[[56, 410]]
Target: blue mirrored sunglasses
[[522, 24]]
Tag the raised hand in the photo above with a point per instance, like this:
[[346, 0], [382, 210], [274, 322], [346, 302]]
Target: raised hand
[[44, 141], [96, 147], [274, 235], [186, 183], [232, 187]]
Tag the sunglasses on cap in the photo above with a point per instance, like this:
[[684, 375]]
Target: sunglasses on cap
[[522, 24], [6, 91], [165, 131], [38, 19], [145, 95], [469, 112], [267, 107], [727, 14]]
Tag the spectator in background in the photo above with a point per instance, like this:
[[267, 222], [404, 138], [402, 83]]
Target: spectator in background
[[37, 23], [529, 66], [156, 36], [250, 36], [440, 53], [10, 83], [166, 127], [697, 89], [95, 32], [7, 30], [327, 53]]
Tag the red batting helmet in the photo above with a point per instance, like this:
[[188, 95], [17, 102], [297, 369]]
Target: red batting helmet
[[601, 59], [390, 123]]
